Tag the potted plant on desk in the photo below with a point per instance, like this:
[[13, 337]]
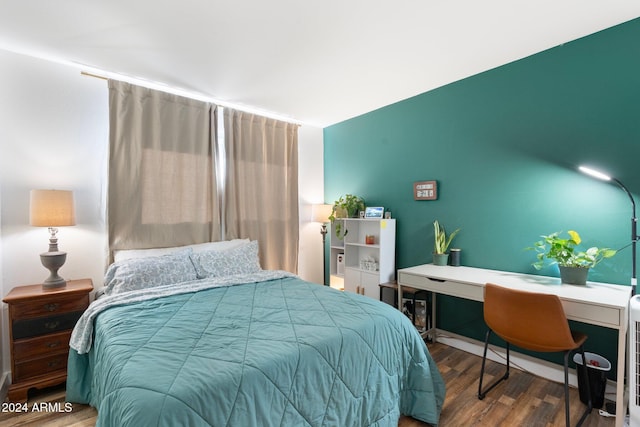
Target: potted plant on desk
[[441, 243], [574, 265]]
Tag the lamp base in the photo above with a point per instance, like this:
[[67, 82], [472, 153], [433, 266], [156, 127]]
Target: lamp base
[[53, 261]]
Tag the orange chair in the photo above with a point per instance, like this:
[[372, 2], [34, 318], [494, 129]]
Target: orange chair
[[535, 322]]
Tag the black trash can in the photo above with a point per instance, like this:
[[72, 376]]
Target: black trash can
[[597, 368]]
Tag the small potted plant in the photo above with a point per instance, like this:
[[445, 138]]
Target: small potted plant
[[574, 265], [441, 243], [347, 206]]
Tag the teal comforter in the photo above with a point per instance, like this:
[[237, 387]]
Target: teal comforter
[[281, 352]]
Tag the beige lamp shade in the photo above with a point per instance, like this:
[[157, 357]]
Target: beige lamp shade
[[321, 212], [52, 208]]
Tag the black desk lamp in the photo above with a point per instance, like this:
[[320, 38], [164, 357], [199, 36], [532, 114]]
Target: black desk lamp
[[634, 220]]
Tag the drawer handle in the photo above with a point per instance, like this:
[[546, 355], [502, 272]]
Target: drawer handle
[[53, 344], [436, 280], [51, 325], [51, 306], [53, 363]]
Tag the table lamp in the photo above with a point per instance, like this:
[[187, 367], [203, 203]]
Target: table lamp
[[321, 213], [634, 220], [52, 209]]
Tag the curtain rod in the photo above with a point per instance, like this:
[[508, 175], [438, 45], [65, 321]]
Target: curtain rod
[[222, 104], [84, 73]]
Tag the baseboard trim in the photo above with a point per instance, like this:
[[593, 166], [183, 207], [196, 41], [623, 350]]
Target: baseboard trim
[[5, 382], [523, 362]]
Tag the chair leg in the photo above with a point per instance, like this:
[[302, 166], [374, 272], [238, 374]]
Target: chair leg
[[483, 393]]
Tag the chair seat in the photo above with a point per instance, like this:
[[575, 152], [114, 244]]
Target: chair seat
[[579, 338]]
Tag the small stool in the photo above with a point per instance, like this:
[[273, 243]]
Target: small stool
[[415, 295]]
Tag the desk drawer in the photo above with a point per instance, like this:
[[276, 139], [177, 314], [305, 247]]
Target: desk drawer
[[447, 287], [591, 313]]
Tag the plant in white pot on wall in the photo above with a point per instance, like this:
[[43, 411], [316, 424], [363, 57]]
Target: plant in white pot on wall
[[347, 206], [441, 243], [574, 265]]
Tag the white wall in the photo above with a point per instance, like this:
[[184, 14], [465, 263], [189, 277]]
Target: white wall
[[54, 134], [311, 189]]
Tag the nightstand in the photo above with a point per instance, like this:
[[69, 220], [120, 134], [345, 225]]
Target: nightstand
[[40, 325]]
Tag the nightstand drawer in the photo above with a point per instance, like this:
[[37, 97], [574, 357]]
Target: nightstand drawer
[[29, 348], [50, 306], [35, 367], [44, 325]]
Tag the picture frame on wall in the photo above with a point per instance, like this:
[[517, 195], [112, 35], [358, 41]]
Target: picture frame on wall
[[425, 190], [374, 212]]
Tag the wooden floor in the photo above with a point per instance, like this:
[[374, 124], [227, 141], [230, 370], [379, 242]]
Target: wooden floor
[[523, 400]]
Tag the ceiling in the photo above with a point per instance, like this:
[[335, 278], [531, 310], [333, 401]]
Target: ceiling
[[314, 62]]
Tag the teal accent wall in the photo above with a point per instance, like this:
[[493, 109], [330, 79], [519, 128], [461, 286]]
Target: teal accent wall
[[503, 146]]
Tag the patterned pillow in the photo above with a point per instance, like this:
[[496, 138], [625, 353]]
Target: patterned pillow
[[141, 273], [239, 260]]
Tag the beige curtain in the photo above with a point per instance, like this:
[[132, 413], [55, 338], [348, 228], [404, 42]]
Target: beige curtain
[[162, 183], [261, 191]]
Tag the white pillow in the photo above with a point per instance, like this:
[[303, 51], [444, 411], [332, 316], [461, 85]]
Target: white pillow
[[123, 254], [237, 260], [218, 246]]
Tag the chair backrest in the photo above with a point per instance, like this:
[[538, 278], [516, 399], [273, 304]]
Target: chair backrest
[[533, 321]]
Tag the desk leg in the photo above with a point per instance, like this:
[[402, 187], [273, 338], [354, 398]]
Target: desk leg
[[621, 408], [433, 317]]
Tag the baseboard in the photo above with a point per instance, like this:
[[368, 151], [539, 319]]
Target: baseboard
[[5, 382], [523, 362]]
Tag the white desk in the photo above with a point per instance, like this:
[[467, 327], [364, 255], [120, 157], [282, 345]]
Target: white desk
[[599, 304]]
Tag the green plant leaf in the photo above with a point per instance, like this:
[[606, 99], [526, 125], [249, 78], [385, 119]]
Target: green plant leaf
[[563, 251], [441, 242]]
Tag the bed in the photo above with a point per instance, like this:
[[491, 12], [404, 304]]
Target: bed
[[207, 338]]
